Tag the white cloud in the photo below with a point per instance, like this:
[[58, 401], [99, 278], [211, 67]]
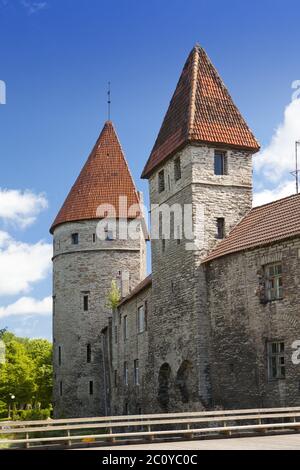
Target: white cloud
[[268, 195], [22, 264], [278, 158], [21, 207], [27, 306], [33, 7]]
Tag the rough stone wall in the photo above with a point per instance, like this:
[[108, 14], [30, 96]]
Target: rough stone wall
[[134, 347], [88, 267], [241, 326], [179, 328]]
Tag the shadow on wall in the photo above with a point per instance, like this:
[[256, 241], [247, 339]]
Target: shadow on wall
[[178, 390]]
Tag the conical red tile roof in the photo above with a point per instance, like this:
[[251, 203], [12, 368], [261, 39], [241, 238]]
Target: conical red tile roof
[[201, 110], [103, 179]]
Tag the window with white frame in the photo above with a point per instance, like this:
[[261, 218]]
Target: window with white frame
[[276, 360], [136, 372], [273, 281], [125, 373], [141, 319]]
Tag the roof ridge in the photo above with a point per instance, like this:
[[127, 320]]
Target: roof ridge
[[193, 90], [276, 201]]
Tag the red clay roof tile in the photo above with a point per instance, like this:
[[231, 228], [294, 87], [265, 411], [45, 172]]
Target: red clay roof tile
[[103, 179], [201, 110], [272, 222]]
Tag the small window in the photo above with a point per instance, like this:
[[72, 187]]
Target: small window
[[126, 409], [91, 387], [141, 319], [116, 378], [60, 388], [125, 373], [88, 353], [109, 234], [59, 355], [116, 334], [146, 315], [161, 181], [125, 327], [177, 169], [136, 372], [75, 238], [220, 163], [220, 227], [276, 360], [85, 303], [273, 282], [163, 244], [94, 237]]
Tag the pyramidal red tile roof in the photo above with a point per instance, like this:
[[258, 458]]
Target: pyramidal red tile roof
[[201, 110], [265, 224], [104, 177]]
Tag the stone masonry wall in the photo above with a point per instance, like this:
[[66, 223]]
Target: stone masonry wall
[[241, 327], [179, 326], [133, 397], [86, 268]]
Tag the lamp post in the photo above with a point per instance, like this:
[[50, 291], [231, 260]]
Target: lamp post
[[12, 397]]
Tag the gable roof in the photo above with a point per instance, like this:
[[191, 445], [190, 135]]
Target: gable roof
[[104, 177], [265, 224], [201, 110]]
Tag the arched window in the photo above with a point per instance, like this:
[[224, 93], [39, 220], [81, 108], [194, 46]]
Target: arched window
[[183, 379], [163, 385]]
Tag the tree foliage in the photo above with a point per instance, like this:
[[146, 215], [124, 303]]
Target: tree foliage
[[114, 296], [27, 372]]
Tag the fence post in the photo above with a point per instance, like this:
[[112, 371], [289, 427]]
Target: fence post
[[112, 439], [150, 438], [68, 434], [190, 435], [27, 443]]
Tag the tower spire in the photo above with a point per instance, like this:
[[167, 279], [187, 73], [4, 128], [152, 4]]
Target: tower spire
[[108, 102]]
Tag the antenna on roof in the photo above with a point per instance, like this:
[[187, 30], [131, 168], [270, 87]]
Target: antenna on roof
[[108, 101], [296, 172]]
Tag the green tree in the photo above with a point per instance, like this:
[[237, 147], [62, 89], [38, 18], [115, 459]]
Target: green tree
[[114, 296], [27, 371]]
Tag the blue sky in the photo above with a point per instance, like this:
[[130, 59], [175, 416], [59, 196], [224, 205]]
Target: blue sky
[[56, 57]]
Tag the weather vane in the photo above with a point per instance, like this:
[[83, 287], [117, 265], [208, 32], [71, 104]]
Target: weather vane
[[108, 101]]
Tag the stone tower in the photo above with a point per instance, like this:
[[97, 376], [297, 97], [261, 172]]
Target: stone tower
[[201, 162], [84, 266]]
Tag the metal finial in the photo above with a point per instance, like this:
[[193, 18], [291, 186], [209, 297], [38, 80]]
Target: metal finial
[[108, 101], [296, 172]]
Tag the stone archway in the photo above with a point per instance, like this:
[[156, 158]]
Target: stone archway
[[183, 378], [163, 385]]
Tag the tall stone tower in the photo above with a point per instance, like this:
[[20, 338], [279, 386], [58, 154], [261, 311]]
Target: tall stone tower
[[201, 161], [84, 266]]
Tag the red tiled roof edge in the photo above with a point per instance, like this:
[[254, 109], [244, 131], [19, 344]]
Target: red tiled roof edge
[[139, 288], [256, 229]]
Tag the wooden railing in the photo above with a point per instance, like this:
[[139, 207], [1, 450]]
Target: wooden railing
[[71, 432]]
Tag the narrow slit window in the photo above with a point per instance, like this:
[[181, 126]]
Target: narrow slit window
[[85, 303], [161, 181], [220, 227], [88, 353], [91, 387], [75, 238], [177, 169]]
